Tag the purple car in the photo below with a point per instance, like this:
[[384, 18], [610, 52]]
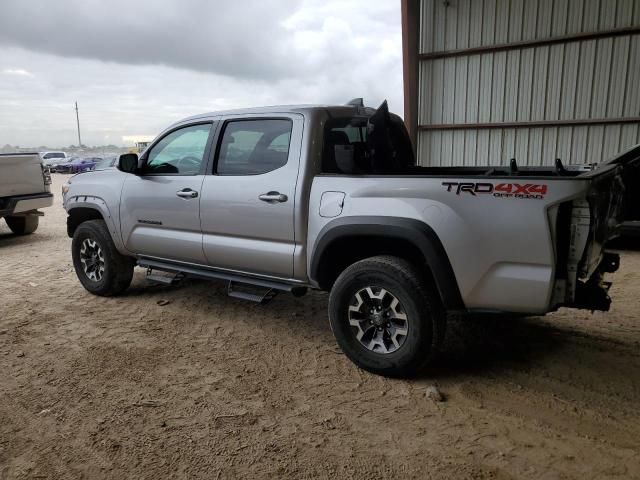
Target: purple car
[[77, 165]]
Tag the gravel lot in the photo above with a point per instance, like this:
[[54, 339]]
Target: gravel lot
[[212, 387]]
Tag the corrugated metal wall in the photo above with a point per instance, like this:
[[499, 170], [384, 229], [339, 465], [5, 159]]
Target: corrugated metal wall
[[573, 80]]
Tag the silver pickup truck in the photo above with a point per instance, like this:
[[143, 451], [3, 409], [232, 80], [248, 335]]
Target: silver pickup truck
[[24, 188], [330, 198]]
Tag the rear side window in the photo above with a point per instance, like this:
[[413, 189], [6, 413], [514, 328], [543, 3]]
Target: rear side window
[[253, 147]]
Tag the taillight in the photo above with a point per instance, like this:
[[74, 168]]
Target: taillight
[[46, 174]]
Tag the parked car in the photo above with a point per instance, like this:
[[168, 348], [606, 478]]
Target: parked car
[[77, 165], [290, 198], [54, 164], [24, 188], [50, 159]]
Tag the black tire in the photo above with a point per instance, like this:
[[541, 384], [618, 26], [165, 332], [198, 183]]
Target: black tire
[[419, 300], [23, 225], [118, 269]]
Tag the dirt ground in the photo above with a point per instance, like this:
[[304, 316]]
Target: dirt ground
[[212, 387]]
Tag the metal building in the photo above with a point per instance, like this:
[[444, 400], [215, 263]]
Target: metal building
[[535, 80]]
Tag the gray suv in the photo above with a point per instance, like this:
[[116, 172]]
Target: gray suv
[[332, 198]]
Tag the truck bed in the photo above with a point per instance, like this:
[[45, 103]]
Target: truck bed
[[517, 239]]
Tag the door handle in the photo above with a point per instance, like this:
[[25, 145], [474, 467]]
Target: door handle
[[273, 197], [187, 193]]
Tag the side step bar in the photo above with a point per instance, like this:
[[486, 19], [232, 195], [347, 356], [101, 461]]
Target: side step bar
[[163, 279], [251, 293], [211, 274]]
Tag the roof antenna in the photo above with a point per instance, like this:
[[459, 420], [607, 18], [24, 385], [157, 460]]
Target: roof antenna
[[356, 102]]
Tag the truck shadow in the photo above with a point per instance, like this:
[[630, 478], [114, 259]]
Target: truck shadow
[[474, 346], [8, 239], [479, 343], [511, 346]]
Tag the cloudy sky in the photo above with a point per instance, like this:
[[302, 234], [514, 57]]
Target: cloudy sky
[[136, 66]]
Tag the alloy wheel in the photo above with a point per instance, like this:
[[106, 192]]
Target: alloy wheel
[[378, 320], [92, 259]]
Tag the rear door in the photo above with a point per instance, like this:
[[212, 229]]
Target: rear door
[[247, 207], [160, 207]]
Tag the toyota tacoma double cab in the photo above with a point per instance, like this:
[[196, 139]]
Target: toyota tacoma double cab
[[25, 186], [332, 198]]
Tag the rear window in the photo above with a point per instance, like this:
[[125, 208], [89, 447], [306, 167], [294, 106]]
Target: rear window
[[359, 145], [347, 134], [54, 155]]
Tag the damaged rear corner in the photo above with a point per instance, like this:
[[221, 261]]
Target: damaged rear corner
[[583, 228]]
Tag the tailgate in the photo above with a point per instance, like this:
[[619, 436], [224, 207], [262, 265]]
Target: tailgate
[[21, 174]]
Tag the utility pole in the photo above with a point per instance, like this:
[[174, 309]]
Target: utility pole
[[78, 122]]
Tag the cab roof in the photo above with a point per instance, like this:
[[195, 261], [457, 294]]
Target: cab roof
[[303, 109]]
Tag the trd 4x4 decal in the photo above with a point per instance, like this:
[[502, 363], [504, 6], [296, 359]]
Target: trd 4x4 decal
[[500, 190]]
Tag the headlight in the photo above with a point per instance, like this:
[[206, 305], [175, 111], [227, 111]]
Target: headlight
[[65, 188]]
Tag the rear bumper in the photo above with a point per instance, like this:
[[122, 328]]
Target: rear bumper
[[24, 203]]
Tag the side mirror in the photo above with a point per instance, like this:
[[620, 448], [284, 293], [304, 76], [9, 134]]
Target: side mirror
[[128, 162]]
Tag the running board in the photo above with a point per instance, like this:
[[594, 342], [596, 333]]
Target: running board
[[211, 274]]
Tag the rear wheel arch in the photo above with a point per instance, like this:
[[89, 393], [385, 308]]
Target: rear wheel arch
[[347, 240]]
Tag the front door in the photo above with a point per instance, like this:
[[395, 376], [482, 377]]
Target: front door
[[247, 206], [160, 207]]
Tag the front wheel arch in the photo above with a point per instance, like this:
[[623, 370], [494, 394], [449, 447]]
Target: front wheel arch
[[79, 215]]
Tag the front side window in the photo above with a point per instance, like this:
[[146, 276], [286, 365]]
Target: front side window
[[253, 147], [179, 153]]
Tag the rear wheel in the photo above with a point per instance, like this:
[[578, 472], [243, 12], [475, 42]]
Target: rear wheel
[[23, 225], [386, 316], [101, 269]]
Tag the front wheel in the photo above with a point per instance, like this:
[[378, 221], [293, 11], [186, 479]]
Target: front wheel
[[101, 269], [386, 317], [23, 225]]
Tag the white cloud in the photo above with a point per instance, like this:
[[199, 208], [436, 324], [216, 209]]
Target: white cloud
[[135, 73], [21, 72]]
